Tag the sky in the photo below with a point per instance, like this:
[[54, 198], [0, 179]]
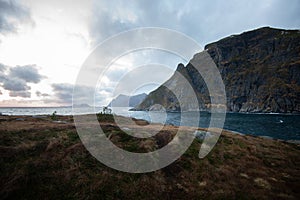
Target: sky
[[43, 44]]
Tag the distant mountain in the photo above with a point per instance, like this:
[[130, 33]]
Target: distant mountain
[[260, 70], [127, 101], [83, 105]]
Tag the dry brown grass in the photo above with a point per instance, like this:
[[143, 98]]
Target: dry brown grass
[[42, 159]]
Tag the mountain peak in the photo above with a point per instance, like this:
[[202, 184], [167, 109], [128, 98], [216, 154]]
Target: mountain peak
[[123, 100], [260, 70]]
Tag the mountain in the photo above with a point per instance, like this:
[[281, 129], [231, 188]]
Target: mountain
[[127, 101], [260, 70]]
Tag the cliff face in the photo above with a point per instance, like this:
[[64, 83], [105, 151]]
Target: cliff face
[[260, 70]]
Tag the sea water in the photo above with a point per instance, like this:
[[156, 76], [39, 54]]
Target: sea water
[[278, 126]]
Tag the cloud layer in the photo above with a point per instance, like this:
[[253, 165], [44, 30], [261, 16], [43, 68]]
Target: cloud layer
[[96, 20], [12, 14], [63, 93], [28, 73], [205, 21], [16, 79]]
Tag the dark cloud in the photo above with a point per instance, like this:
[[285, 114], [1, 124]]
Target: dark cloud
[[0, 92], [2, 77], [2, 74], [28, 73], [16, 79], [40, 94], [24, 94], [63, 93], [12, 13], [15, 84], [2, 67]]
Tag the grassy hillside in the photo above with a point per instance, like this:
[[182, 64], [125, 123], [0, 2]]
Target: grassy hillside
[[44, 159]]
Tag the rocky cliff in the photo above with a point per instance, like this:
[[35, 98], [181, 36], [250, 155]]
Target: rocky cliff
[[260, 70]]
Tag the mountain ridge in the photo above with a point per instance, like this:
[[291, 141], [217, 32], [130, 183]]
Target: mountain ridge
[[260, 70], [127, 101]]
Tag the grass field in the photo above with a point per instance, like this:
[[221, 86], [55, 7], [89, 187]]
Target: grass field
[[45, 159]]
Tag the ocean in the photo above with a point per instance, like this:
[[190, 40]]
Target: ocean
[[277, 126]]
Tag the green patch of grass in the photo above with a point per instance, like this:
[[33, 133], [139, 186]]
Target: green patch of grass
[[73, 136], [213, 160], [226, 140], [105, 117], [42, 135], [241, 144], [228, 156], [124, 137], [132, 147], [194, 149]]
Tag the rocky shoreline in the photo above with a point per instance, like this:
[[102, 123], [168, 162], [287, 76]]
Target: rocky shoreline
[[208, 111]]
